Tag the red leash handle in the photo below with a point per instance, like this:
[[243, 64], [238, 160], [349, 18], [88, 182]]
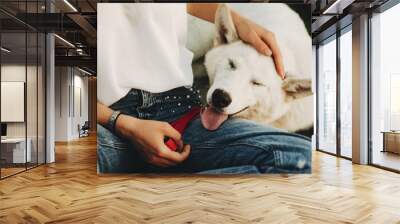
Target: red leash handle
[[180, 125]]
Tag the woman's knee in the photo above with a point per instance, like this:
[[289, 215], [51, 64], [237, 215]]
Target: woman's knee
[[283, 151]]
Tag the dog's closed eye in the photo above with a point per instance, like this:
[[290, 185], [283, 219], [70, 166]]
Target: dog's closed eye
[[232, 64], [256, 83]]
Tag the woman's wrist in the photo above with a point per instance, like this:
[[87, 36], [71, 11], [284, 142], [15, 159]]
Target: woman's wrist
[[125, 124]]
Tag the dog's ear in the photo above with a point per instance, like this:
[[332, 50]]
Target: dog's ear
[[296, 88], [226, 31]]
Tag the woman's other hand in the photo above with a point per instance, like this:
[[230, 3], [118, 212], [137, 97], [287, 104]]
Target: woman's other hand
[[149, 135]]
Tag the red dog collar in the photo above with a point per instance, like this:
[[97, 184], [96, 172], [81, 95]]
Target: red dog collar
[[180, 125]]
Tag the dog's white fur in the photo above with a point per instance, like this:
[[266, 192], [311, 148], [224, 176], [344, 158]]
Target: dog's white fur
[[284, 104]]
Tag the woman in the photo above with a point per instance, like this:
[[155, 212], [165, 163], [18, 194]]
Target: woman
[[145, 81]]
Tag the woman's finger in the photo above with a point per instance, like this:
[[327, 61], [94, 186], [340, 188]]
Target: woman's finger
[[173, 156], [185, 152], [158, 161], [269, 38], [259, 44], [171, 132]]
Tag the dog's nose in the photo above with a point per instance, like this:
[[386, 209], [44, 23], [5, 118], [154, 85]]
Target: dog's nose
[[220, 98]]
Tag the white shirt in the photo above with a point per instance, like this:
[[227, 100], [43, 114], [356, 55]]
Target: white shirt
[[142, 46]]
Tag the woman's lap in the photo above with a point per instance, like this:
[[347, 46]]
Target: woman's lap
[[237, 145]]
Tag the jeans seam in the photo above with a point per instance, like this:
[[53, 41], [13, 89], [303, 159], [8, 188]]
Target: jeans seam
[[209, 146], [269, 134], [277, 158], [113, 146]]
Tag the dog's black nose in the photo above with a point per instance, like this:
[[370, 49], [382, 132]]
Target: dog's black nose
[[220, 98]]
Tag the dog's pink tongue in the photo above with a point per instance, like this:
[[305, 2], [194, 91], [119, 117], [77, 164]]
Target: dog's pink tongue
[[212, 119]]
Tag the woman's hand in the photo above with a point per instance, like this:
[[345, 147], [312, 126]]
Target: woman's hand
[[260, 38], [149, 135]]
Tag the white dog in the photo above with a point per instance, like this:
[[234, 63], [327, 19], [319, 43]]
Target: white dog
[[244, 83]]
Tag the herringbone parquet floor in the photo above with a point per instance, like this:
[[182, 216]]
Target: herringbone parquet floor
[[70, 191]]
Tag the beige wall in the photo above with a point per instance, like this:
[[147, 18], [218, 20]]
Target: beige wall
[[70, 83]]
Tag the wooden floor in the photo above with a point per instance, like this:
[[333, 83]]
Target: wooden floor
[[70, 191], [387, 159], [8, 171], [5, 172]]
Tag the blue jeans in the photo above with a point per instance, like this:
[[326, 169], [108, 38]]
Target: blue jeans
[[238, 146]]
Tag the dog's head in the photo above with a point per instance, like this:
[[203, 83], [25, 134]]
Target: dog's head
[[240, 77]]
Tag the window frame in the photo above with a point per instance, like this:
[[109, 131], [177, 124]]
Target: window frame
[[334, 37], [380, 9]]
